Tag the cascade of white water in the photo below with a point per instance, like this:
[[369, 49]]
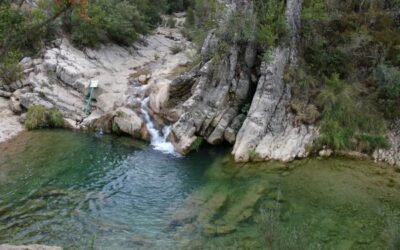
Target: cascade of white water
[[158, 140]]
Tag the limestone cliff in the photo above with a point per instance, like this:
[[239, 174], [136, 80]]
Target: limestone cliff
[[219, 88], [213, 109], [269, 131]]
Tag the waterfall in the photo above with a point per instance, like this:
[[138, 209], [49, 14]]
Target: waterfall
[[158, 140]]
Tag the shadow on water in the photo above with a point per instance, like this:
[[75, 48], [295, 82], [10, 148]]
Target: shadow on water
[[83, 191]]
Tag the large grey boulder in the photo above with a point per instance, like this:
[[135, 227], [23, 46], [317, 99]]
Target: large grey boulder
[[130, 123]]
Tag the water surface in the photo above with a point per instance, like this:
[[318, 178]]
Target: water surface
[[83, 191]]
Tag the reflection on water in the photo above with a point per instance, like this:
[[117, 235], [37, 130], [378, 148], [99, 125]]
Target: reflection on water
[[82, 191]]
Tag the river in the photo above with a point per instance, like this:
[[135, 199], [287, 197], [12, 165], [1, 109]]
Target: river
[[93, 191]]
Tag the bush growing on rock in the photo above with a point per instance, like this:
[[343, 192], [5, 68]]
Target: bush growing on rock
[[201, 18], [343, 125], [272, 25], [387, 79], [39, 117], [176, 49], [10, 70], [348, 69]]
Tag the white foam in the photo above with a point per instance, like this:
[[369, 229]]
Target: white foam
[[158, 140]]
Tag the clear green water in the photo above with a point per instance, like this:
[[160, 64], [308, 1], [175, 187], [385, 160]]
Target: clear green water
[[83, 191]]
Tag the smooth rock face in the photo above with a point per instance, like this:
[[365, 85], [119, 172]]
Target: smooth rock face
[[269, 131], [29, 247]]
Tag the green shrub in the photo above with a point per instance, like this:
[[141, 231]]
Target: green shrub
[[240, 28], [344, 125], [171, 23], [176, 49], [387, 79], [272, 25], [39, 117], [341, 70], [119, 21], [201, 19], [55, 118], [10, 70]]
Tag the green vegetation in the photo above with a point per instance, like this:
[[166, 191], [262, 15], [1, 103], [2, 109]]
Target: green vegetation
[[24, 29], [39, 117], [344, 125], [271, 25], [17, 37], [196, 144], [176, 49], [387, 79], [118, 21], [349, 70], [10, 70], [201, 18]]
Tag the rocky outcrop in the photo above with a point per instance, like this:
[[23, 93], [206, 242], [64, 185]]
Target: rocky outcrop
[[220, 88], [60, 78], [9, 122], [130, 123], [392, 154], [269, 131]]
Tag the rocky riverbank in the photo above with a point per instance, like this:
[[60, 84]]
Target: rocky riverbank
[[126, 75], [237, 100]]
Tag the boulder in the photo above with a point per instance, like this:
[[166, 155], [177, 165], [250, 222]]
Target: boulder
[[71, 124], [325, 152], [130, 123], [15, 105], [159, 96], [5, 94], [30, 99], [26, 62], [144, 79], [98, 122]]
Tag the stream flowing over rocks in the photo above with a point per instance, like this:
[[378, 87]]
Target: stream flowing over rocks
[[213, 109], [126, 75], [154, 91]]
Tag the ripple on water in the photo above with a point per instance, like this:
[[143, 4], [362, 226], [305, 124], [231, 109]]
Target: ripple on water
[[79, 190]]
